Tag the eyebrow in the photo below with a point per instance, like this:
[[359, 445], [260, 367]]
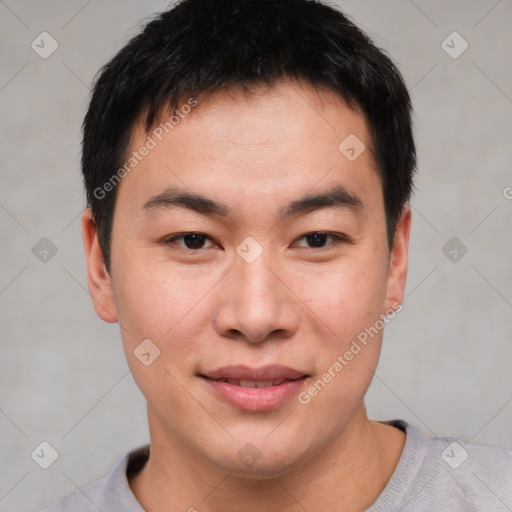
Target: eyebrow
[[171, 197], [337, 197]]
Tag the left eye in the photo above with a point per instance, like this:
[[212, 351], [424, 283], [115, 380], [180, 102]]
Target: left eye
[[191, 241], [318, 240]]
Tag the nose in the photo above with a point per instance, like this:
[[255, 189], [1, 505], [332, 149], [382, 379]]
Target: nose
[[256, 303]]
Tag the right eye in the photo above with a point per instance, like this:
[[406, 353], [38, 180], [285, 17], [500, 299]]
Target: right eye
[[191, 241]]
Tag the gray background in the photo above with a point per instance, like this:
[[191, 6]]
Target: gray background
[[446, 363]]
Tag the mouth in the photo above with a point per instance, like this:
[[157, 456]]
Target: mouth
[[261, 384], [255, 389], [241, 373]]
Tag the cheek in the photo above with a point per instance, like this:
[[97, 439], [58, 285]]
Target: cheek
[[350, 299], [164, 306], [166, 309], [346, 298]]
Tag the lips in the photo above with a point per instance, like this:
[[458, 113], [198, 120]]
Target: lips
[[253, 383], [271, 373], [255, 389]]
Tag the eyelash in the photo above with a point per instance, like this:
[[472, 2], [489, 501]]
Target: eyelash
[[337, 238]]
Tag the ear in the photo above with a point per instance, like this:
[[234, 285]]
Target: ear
[[397, 273], [98, 279]]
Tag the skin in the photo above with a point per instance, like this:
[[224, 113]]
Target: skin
[[295, 305]]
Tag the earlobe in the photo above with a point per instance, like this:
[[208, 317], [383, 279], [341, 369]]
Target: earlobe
[[98, 279], [397, 274]]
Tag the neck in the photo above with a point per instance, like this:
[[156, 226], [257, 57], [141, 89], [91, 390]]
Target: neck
[[347, 474]]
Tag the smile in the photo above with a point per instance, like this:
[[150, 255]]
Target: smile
[[252, 383], [255, 389]]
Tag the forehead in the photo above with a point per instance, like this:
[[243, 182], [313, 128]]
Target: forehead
[[243, 146]]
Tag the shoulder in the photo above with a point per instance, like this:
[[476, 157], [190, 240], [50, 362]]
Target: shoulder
[[435, 471], [479, 475], [108, 494]]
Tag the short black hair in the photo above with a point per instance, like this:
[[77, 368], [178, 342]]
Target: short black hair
[[201, 46]]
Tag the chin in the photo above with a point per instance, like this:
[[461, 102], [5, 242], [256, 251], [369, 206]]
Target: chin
[[259, 458]]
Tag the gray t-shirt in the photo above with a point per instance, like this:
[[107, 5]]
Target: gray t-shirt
[[433, 474]]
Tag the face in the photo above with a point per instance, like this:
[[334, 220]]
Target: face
[[252, 252]]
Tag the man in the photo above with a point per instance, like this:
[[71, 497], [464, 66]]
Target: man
[[248, 166]]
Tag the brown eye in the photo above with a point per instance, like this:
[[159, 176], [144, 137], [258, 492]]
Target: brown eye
[[192, 241], [318, 240]]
